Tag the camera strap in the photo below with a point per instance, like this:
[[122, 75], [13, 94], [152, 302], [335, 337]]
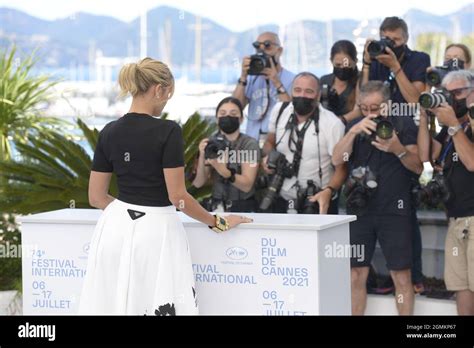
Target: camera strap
[[449, 146]]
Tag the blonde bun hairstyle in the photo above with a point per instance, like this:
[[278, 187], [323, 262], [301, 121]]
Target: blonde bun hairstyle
[[137, 78]]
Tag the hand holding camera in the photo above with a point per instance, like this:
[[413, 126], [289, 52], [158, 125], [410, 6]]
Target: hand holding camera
[[245, 68], [391, 145], [271, 73], [366, 126]]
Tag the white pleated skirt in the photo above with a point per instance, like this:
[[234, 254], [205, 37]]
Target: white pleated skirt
[[139, 264]]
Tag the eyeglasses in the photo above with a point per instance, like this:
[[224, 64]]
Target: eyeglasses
[[267, 44], [458, 92], [372, 108]]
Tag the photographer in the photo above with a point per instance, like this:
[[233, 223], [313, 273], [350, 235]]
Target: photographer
[[339, 89], [382, 152], [262, 83], [457, 56], [391, 61], [302, 135], [452, 153], [231, 161], [404, 71]]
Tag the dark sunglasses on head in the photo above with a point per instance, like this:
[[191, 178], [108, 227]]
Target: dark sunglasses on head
[[267, 44]]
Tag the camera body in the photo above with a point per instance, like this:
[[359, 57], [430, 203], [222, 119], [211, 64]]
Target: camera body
[[377, 47], [429, 100], [359, 188], [329, 97], [436, 76], [283, 169], [432, 194], [308, 207], [258, 62], [216, 144], [384, 129]]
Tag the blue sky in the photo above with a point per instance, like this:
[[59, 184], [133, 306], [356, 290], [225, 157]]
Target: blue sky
[[239, 15]]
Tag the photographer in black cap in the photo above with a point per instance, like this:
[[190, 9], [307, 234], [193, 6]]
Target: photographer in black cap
[[382, 152]]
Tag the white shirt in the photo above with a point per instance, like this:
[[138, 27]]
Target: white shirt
[[331, 131]]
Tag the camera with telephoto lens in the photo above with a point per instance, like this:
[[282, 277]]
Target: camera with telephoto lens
[[432, 100], [308, 207], [435, 76], [359, 188], [433, 193], [283, 169], [215, 146], [377, 47], [384, 129], [258, 62]]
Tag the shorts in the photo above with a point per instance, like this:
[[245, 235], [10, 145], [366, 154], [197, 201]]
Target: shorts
[[394, 234], [459, 254]]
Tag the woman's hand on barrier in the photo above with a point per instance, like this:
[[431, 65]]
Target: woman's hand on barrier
[[235, 220]]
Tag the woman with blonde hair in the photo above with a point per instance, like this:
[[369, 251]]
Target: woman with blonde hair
[[139, 259]]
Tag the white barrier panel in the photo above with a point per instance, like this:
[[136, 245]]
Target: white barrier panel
[[279, 265]]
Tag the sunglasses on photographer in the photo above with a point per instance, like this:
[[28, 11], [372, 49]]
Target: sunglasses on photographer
[[267, 44]]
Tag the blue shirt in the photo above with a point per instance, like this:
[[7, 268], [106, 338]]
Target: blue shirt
[[414, 65], [256, 93]]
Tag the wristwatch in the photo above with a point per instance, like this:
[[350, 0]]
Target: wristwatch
[[222, 224], [241, 82], [281, 90], [453, 130]]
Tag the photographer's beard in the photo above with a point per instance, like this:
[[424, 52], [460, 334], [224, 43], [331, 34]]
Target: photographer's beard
[[304, 106]]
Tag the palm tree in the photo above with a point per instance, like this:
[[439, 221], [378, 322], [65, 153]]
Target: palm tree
[[53, 172], [22, 96]]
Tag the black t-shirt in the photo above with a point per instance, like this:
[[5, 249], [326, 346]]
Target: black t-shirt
[[460, 180], [393, 193], [414, 65], [136, 148], [338, 103]]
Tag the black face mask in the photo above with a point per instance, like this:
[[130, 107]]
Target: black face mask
[[344, 74], [399, 50], [471, 111], [228, 124], [303, 106], [460, 108]]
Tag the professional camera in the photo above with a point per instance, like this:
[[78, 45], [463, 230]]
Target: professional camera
[[384, 129], [329, 97], [429, 100], [283, 169], [308, 207], [435, 76], [434, 193], [215, 146], [258, 62], [360, 186], [377, 48]]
